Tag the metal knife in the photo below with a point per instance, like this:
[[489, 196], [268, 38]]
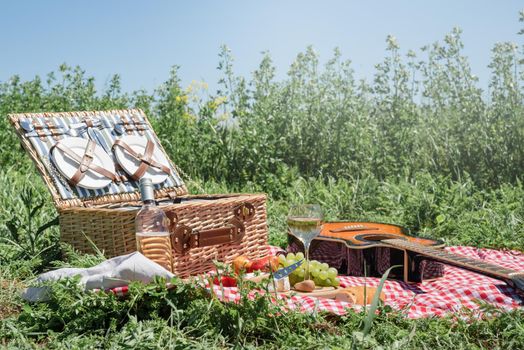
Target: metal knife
[[96, 135], [283, 272], [35, 134]]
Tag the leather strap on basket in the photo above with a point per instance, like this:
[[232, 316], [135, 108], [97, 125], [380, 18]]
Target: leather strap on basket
[[85, 163], [146, 160], [52, 127], [184, 237]]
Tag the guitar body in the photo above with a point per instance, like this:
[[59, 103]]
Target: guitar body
[[356, 249], [362, 235], [370, 248]]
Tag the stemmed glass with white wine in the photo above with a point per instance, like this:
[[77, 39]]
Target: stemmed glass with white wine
[[305, 222]]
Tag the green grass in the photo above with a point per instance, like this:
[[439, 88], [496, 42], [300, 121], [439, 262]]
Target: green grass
[[152, 317], [421, 145]]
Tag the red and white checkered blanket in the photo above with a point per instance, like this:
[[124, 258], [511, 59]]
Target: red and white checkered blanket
[[457, 290]]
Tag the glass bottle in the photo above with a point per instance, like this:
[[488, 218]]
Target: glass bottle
[[152, 228]]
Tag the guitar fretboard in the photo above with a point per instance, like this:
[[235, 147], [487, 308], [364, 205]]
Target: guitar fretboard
[[454, 259]]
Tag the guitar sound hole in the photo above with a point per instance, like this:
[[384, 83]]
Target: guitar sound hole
[[377, 237]]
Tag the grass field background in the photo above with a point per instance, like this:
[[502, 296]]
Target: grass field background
[[421, 145]]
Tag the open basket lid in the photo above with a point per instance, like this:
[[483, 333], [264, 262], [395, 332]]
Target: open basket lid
[[41, 132]]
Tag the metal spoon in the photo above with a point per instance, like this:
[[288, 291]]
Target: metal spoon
[[26, 125], [119, 129]]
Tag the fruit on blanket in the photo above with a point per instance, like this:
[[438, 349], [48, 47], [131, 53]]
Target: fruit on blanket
[[241, 263], [266, 264], [363, 295], [305, 286], [269, 263], [320, 273], [225, 281], [346, 296]]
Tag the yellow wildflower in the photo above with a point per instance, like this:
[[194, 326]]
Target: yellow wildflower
[[182, 99], [220, 100]]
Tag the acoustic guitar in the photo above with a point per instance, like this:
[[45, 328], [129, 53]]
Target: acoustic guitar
[[364, 235]]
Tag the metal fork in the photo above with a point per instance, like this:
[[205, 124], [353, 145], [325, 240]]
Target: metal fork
[[72, 130]]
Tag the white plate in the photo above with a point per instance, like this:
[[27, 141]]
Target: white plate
[[130, 164], [68, 167]]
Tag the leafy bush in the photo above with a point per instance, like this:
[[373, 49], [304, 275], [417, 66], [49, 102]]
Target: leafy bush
[[417, 115]]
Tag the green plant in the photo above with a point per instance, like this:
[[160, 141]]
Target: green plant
[[374, 303], [26, 240]]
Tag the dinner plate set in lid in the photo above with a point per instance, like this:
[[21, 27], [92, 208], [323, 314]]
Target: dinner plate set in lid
[[68, 165]]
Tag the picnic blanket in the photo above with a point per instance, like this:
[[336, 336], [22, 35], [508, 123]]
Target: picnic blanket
[[456, 291]]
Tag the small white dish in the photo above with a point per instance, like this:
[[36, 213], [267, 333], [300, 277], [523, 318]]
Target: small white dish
[[68, 167], [131, 164]]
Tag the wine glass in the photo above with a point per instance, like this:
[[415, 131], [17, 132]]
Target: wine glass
[[304, 223]]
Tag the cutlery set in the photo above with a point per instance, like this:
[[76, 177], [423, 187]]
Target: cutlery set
[[77, 129]]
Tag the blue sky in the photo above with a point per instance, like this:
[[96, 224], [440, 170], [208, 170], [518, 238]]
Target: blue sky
[[141, 40]]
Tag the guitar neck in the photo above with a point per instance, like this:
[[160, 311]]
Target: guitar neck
[[454, 259]]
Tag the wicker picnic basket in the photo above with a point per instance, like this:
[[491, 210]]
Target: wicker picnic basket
[[203, 227]]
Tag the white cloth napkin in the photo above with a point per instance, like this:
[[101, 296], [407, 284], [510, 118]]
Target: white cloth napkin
[[112, 273]]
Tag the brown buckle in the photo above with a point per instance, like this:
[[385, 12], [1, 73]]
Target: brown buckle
[[244, 211], [173, 219], [180, 239], [86, 160], [144, 159]]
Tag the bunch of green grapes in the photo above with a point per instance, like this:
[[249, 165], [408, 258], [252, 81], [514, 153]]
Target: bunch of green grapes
[[320, 273]]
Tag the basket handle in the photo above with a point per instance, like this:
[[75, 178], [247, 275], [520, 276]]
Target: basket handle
[[184, 238]]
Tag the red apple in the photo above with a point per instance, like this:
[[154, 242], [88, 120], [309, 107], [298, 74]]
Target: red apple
[[264, 264]]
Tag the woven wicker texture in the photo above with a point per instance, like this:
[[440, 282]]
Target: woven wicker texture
[[207, 215], [113, 230]]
